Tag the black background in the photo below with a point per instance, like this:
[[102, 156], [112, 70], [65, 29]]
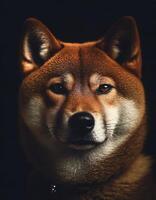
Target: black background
[[70, 21]]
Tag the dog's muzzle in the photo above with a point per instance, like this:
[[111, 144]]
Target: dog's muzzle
[[81, 126]]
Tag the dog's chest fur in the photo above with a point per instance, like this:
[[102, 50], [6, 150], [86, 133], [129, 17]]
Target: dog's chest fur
[[136, 183]]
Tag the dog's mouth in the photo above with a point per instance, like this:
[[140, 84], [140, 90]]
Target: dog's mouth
[[77, 141], [82, 144]]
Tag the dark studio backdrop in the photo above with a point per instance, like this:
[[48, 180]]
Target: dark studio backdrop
[[70, 21]]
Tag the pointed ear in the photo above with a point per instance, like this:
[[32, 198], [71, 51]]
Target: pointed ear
[[37, 46], [122, 44]]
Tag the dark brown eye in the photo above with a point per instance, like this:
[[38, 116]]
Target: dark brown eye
[[58, 88], [104, 89]]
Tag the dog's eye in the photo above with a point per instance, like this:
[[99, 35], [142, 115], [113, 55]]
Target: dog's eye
[[104, 89], [58, 88]]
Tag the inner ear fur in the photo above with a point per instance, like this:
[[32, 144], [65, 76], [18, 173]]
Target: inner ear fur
[[37, 46], [122, 43]]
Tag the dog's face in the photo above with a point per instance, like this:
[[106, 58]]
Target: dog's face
[[81, 104]]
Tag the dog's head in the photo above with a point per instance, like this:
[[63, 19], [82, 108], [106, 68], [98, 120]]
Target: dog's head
[[82, 105]]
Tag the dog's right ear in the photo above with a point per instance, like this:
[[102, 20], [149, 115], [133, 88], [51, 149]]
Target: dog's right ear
[[37, 46], [122, 44]]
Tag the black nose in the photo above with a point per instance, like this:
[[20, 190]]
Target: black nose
[[81, 122]]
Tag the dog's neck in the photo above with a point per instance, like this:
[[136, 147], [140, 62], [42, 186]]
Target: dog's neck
[[127, 185]]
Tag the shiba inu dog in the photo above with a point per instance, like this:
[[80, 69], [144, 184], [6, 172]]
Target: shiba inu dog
[[83, 115]]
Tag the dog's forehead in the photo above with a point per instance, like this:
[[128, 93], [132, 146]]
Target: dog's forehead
[[82, 58]]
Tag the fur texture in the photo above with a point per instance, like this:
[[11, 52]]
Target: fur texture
[[114, 169]]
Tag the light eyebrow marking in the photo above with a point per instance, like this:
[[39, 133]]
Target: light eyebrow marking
[[97, 79], [68, 78]]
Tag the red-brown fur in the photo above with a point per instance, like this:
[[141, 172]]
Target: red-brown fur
[[119, 176]]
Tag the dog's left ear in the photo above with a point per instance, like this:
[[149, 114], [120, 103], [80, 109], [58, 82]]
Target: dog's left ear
[[122, 43], [37, 46]]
